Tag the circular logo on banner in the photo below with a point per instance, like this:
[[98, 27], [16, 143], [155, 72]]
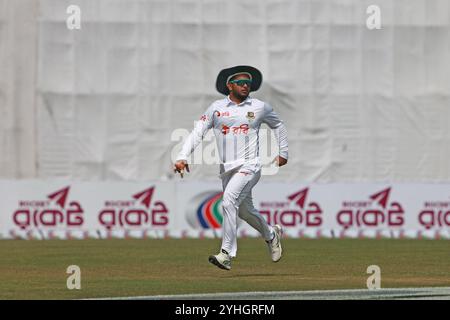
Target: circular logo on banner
[[204, 211]]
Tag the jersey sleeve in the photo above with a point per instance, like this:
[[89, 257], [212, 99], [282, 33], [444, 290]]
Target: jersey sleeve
[[197, 134], [272, 119]]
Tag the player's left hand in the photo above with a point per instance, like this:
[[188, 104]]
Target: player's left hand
[[280, 161]]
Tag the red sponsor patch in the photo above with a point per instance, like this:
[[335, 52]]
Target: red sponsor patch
[[225, 129], [222, 114]]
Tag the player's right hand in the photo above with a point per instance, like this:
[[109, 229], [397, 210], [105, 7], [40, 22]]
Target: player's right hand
[[179, 167]]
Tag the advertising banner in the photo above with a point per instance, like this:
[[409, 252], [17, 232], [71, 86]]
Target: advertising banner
[[46, 210], [79, 210]]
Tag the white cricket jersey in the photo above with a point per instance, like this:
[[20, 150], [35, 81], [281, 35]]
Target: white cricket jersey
[[236, 128]]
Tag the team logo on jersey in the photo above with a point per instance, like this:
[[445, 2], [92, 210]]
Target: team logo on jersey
[[250, 115]]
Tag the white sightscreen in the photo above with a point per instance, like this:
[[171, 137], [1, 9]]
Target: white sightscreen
[[359, 104], [18, 36]]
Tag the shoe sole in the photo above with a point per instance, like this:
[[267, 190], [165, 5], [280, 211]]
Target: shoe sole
[[214, 261], [280, 234]]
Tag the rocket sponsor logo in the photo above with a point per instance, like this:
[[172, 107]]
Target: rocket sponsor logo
[[55, 211], [296, 210], [140, 211], [435, 214], [376, 211], [205, 211]]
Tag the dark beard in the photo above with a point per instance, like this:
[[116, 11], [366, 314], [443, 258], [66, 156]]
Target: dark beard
[[240, 96]]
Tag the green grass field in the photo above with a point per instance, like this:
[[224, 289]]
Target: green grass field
[[116, 268]]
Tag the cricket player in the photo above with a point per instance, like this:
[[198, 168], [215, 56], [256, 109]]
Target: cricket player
[[236, 120]]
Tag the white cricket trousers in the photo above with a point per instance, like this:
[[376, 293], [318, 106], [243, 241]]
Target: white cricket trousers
[[237, 200]]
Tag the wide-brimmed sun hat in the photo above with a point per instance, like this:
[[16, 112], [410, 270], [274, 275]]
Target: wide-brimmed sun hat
[[226, 74]]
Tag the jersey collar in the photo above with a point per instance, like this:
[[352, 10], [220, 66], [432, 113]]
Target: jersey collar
[[248, 100]]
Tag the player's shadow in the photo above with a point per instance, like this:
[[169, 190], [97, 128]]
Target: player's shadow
[[256, 275]]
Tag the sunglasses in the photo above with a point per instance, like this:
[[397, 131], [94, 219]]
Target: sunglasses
[[242, 82]]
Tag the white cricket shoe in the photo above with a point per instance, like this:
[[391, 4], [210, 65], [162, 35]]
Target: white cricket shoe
[[222, 260], [275, 244]]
